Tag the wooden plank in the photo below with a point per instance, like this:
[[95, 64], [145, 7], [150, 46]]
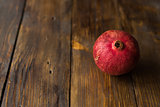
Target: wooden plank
[[89, 86], [40, 72], [10, 16], [142, 18]]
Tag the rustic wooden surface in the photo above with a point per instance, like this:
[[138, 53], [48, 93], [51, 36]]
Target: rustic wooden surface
[[89, 86], [47, 59], [40, 70], [10, 18], [143, 21]]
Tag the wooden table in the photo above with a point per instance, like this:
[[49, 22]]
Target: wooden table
[[46, 53]]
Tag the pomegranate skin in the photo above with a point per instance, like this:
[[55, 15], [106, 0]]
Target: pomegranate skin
[[116, 52]]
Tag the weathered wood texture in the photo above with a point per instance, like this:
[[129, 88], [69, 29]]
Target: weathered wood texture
[[89, 86], [142, 19], [10, 16], [40, 71]]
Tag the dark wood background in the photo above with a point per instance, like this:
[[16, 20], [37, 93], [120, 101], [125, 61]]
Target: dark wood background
[[46, 53]]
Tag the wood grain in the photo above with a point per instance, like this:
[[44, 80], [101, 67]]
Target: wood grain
[[40, 71], [10, 16], [143, 21], [89, 86]]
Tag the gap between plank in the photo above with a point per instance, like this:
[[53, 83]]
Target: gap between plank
[[133, 86], [70, 56], [12, 54]]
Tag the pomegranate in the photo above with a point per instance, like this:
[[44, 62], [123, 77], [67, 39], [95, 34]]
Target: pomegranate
[[116, 52]]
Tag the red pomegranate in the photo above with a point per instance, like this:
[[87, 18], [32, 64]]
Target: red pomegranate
[[116, 52]]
